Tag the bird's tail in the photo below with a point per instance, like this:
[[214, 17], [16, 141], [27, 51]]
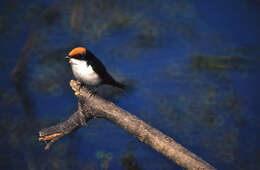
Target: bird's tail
[[119, 85]]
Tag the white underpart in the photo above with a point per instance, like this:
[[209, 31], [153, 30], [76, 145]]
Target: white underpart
[[84, 72]]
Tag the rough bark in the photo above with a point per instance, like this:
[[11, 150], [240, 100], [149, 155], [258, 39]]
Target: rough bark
[[93, 106]]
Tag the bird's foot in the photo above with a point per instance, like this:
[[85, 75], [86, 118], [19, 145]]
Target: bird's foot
[[78, 83], [77, 91]]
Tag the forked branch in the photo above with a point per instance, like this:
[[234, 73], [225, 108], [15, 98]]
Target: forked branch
[[92, 106]]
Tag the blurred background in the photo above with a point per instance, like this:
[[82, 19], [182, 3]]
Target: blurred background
[[193, 68]]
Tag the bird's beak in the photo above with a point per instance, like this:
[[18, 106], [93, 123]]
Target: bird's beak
[[68, 57]]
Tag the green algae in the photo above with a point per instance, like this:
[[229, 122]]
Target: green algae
[[105, 158], [129, 162], [218, 63]]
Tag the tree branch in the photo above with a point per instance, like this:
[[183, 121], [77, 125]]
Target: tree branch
[[91, 106]]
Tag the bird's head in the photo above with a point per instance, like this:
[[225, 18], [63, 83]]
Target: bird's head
[[77, 53]]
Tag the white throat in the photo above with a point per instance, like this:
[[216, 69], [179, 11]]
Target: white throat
[[84, 72]]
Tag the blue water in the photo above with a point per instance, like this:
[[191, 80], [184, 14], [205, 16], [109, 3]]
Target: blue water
[[151, 46]]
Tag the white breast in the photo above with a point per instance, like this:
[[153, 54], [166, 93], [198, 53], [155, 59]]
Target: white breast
[[84, 72]]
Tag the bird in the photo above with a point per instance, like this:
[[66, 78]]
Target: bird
[[89, 70]]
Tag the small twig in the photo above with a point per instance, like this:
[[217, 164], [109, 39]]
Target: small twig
[[48, 137], [52, 134], [48, 145]]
